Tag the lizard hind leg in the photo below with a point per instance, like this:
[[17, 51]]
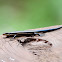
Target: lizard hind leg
[[40, 34]]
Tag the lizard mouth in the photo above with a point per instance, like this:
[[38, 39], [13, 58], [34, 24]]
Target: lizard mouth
[[4, 34]]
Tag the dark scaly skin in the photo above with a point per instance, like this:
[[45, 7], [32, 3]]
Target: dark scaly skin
[[29, 33]]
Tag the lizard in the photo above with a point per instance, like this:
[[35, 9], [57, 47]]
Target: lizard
[[29, 32]]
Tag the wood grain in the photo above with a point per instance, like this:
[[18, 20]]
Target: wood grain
[[13, 51]]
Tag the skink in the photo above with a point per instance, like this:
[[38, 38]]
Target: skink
[[29, 32]]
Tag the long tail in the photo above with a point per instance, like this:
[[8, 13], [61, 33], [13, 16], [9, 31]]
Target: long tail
[[49, 30]]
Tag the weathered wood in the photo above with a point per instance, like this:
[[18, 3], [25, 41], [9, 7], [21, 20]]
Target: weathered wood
[[13, 51]]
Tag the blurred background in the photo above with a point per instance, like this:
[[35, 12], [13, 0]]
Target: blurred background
[[17, 15]]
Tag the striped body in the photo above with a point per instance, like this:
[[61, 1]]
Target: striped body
[[29, 33]]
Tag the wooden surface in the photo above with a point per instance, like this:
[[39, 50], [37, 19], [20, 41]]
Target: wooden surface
[[13, 51]]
